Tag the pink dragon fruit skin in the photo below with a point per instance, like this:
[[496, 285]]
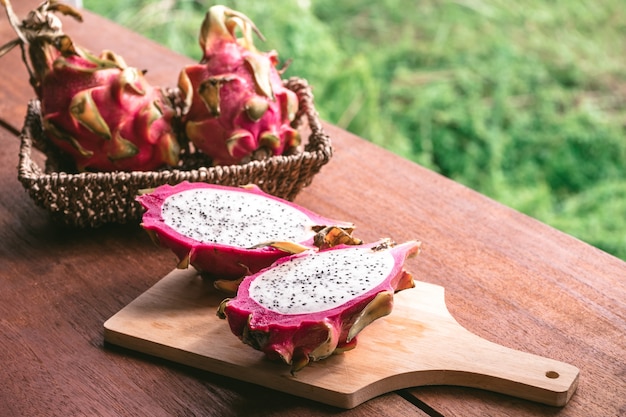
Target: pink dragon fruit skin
[[106, 115], [238, 107], [228, 232], [97, 110], [313, 304]]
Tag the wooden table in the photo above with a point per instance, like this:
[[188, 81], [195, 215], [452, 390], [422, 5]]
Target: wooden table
[[508, 278]]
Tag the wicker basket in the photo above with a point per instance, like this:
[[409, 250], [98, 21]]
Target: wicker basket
[[89, 199]]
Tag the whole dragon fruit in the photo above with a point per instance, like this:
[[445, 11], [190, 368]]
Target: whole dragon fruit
[[310, 305], [101, 112], [237, 106], [228, 232]]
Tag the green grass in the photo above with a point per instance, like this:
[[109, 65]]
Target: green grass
[[522, 101]]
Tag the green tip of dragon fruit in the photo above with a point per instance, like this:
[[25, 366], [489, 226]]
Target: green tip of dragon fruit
[[236, 106]]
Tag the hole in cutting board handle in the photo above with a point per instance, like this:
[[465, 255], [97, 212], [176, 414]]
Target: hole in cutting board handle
[[552, 374]]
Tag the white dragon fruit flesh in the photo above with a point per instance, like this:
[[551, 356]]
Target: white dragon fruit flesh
[[228, 232], [310, 305]]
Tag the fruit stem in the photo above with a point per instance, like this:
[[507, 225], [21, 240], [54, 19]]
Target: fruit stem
[[39, 31], [13, 20]]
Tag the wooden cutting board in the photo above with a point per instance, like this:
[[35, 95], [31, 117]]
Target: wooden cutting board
[[419, 343]]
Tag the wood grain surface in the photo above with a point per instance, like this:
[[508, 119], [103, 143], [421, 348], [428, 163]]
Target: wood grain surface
[[508, 279]]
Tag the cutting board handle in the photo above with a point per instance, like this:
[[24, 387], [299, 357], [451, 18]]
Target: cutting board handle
[[466, 359]]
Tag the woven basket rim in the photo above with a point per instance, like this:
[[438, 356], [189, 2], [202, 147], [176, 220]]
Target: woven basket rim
[[51, 190], [319, 144]]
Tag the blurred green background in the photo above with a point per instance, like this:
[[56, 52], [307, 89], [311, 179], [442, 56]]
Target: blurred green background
[[522, 101]]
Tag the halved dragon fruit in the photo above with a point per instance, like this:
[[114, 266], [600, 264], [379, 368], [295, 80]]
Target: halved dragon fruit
[[308, 306], [228, 232]]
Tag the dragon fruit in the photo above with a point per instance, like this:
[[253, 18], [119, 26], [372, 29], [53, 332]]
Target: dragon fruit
[[310, 305], [237, 106], [228, 232], [98, 110]]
